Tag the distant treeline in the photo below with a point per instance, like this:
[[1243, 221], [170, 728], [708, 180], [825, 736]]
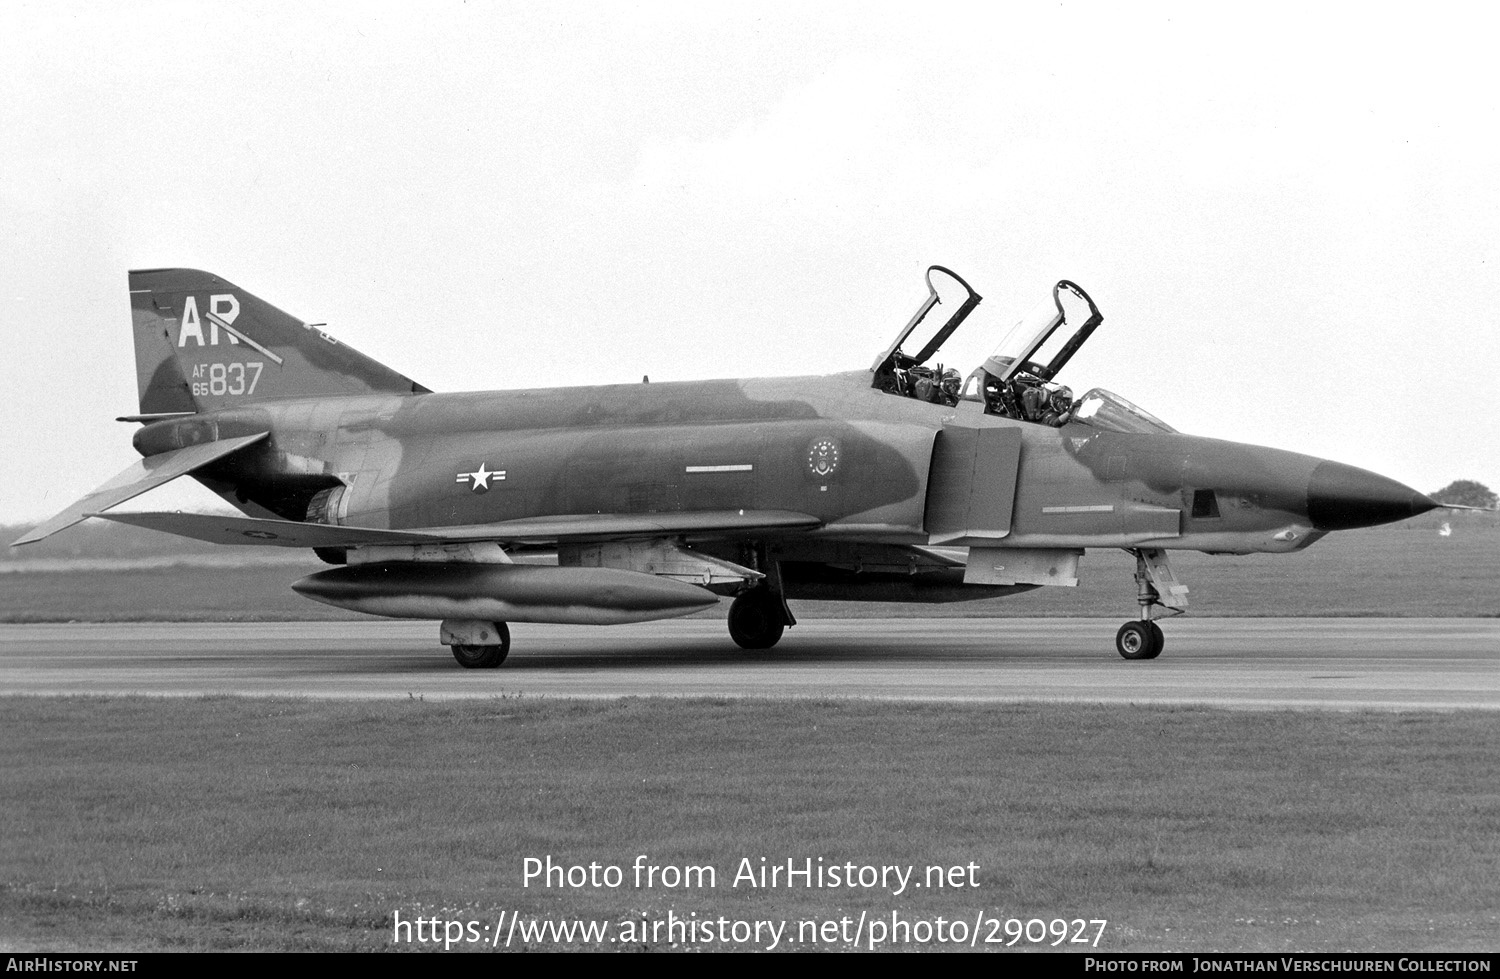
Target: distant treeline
[[1472, 519]]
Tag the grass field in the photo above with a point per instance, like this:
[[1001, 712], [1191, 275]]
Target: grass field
[[235, 824], [1383, 572]]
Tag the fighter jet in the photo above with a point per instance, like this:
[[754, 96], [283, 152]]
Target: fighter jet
[[905, 481]]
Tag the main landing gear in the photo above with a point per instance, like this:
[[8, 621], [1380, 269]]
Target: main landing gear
[[757, 619], [477, 645], [759, 616], [1155, 585]]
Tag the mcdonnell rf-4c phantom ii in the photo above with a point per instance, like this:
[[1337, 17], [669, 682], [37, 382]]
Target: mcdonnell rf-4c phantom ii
[[906, 481]]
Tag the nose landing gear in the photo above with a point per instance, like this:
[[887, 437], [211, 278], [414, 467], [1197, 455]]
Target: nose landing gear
[[1156, 586]]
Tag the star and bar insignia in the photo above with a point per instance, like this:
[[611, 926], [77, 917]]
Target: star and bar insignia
[[479, 479]]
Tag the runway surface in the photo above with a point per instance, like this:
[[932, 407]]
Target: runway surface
[[1245, 663]]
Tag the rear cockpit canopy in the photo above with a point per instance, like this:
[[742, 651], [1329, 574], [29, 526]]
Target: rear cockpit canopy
[[949, 301]]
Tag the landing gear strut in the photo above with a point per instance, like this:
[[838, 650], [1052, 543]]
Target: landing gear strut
[[1156, 586], [477, 645]]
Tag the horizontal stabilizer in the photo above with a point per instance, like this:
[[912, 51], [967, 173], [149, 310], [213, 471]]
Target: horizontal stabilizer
[[146, 474], [532, 530]]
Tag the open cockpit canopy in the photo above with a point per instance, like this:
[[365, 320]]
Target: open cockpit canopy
[[1018, 379], [1047, 337], [949, 301]]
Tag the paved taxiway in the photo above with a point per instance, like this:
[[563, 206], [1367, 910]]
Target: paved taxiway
[[1250, 663]]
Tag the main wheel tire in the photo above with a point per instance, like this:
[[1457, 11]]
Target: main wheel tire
[[484, 657], [1158, 641], [755, 620], [1135, 640]]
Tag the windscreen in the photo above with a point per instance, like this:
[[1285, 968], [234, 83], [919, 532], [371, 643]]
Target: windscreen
[[1108, 411]]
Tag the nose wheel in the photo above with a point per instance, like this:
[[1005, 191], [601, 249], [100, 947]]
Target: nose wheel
[[1140, 640]]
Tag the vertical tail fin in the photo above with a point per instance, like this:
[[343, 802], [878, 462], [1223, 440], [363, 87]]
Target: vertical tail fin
[[203, 343]]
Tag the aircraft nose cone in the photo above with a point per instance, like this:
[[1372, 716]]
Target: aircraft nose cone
[[1341, 497]]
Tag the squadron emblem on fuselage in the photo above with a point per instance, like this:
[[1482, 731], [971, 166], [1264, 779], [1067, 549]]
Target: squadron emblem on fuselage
[[823, 458]]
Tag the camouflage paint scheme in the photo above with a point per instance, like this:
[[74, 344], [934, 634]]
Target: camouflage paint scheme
[[816, 486]]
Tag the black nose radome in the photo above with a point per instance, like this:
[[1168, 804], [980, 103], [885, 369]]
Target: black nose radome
[[1341, 497]]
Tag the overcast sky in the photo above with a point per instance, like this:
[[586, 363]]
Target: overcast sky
[[1288, 215]]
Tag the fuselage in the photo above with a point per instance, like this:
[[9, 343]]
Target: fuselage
[[859, 460]]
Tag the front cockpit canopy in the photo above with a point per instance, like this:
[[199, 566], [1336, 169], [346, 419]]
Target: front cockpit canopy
[[1016, 380], [1060, 325]]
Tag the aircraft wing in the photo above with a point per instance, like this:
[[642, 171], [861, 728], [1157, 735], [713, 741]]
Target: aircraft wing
[[532, 530], [274, 533], [145, 474]]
